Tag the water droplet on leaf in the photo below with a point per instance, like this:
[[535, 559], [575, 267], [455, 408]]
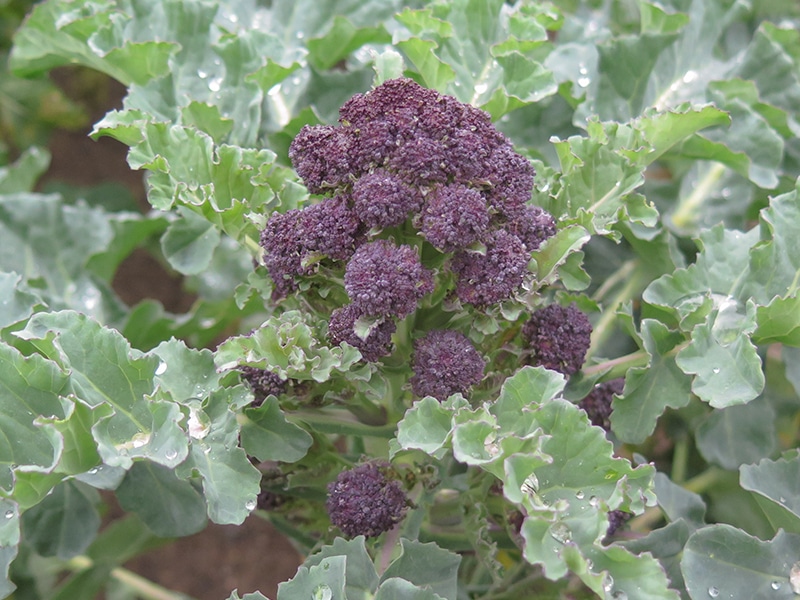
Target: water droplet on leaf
[[215, 84], [481, 88], [9, 514], [171, 454], [794, 577], [775, 585], [715, 370], [251, 504], [608, 583], [561, 533], [580, 495], [93, 471], [161, 368], [322, 592], [713, 592]]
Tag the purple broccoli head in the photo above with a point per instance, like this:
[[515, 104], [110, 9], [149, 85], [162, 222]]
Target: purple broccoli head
[[484, 279], [558, 338], [382, 200], [323, 156], [383, 279], [533, 225], [263, 383], [454, 217], [598, 403], [341, 328], [364, 501], [445, 362]]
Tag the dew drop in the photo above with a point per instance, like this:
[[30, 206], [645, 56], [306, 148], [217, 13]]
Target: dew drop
[[775, 585], [580, 495], [202, 74], [594, 501], [561, 533], [481, 88], [299, 35], [794, 577], [584, 81], [715, 370], [608, 583], [322, 592], [171, 454], [140, 439], [251, 504], [530, 485], [215, 84], [9, 514], [713, 592], [233, 19], [207, 450], [690, 76], [582, 70], [93, 471], [161, 368]]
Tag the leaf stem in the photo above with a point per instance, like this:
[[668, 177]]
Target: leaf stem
[[680, 460], [617, 367], [705, 480], [340, 421], [686, 211], [143, 587]]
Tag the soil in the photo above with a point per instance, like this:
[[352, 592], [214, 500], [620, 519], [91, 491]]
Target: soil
[[212, 563]]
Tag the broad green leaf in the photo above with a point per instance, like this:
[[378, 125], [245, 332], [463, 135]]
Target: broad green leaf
[[521, 395], [342, 39], [427, 566], [16, 300], [31, 389], [775, 484], [230, 482], [185, 372], [779, 322], [323, 581], [7, 555], [361, 578], [189, 243], [556, 251], [21, 176], [679, 503], [725, 562], [86, 583], [400, 589], [632, 576], [267, 435], [650, 390], [114, 375], [426, 426], [65, 522], [168, 506], [665, 545], [738, 435]]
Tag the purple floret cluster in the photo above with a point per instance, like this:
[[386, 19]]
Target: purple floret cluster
[[364, 501], [558, 338], [598, 403], [263, 383], [445, 362], [403, 153]]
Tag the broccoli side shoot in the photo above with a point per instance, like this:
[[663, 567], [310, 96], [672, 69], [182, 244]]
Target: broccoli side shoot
[[364, 501], [445, 362], [377, 343], [597, 403], [263, 383], [558, 338], [383, 279]]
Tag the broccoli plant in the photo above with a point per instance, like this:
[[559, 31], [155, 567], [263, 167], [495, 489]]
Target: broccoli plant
[[492, 300]]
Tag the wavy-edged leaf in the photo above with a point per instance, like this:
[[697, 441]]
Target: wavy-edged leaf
[[775, 485], [267, 435], [427, 566]]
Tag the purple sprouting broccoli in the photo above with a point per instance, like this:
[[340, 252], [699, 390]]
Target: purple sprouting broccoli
[[454, 217], [341, 328], [490, 277], [445, 362], [383, 279], [558, 338], [365, 501], [323, 156], [293, 240], [382, 199], [598, 403], [616, 519], [533, 225], [263, 383]]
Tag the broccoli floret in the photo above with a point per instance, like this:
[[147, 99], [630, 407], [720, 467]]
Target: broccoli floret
[[493, 276], [533, 225], [377, 344], [364, 501], [454, 217], [383, 200], [323, 156], [383, 279], [558, 338], [263, 383], [282, 241], [445, 362], [598, 403], [616, 519]]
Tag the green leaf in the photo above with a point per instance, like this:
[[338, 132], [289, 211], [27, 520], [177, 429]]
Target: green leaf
[[738, 435], [30, 390], [168, 506], [21, 176], [230, 482], [185, 372], [426, 426], [16, 302], [778, 322], [267, 435], [251, 596], [679, 503], [637, 577], [189, 242], [324, 581], [116, 377], [361, 578], [775, 483], [650, 390], [341, 40], [400, 589], [722, 561], [556, 251], [65, 522], [426, 566]]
